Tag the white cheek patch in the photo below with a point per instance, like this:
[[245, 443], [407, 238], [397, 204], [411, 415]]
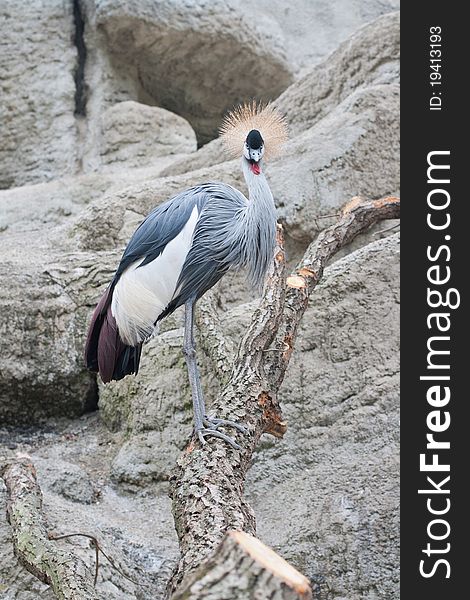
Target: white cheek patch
[[255, 154]]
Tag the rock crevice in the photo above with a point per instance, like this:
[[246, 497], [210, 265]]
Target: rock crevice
[[79, 72]]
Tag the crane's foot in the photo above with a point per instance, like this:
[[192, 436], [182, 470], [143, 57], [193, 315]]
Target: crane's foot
[[211, 427], [215, 423], [205, 431]]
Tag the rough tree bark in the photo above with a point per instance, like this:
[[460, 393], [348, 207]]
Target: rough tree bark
[[219, 559], [68, 575], [219, 348], [208, 483], [243, 567]]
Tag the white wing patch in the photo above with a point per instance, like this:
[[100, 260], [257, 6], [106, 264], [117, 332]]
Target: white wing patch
[[141, 294]]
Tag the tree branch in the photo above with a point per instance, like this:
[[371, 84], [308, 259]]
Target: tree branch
[[242, 562], [357, 217], [68, 575], [208, 483], [219, 348]]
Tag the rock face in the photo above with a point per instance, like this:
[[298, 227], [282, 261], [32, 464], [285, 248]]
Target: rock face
[[134, 135], [63, 65], [336, 468], [344, 142], [349, 147], [37, 62], [135, 530], [178, 51], [311, 30], [368, 58], [42, 321], [344, 131], [99, 122]]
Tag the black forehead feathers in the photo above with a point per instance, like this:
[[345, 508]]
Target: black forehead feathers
[[254, 139]]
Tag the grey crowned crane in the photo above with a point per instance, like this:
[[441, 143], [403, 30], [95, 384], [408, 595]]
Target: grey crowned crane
[[182, 249]]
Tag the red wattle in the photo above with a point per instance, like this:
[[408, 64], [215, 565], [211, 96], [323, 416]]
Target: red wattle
[[255, 168]]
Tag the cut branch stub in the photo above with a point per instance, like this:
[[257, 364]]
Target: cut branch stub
[[243, 567]]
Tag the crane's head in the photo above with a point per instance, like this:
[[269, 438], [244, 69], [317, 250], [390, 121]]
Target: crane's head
[[253, 150], [254, 131]]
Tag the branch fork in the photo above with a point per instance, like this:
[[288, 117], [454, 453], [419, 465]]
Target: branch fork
[[220, 556], [208, 483]]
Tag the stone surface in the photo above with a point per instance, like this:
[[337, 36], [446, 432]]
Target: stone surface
[[311, 30], [135, 134], [178, 50], [37, 62], [44, 312], [336, 468], [348, 148], [135, 530], [344, 132], [60, 241], [344, 142], [370, 57], [63, 64], [68, 480], [354, 150], [38, 207]]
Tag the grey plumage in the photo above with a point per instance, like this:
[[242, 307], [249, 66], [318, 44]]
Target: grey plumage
[[180, 251], [231, 232]]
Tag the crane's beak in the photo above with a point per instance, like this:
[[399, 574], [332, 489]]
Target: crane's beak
[[254, 155]]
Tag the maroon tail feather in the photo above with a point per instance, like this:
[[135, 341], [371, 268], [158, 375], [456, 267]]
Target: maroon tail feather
[[105, 352]]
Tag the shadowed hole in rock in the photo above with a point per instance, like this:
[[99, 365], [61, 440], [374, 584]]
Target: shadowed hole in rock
[[167, 71]]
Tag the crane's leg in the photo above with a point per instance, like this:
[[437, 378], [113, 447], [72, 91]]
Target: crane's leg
[[203, 425]]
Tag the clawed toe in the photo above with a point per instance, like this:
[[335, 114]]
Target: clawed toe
[[214, 423], [212, 431]]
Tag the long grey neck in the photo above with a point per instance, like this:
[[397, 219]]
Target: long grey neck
[[259, 226], [259, 193]]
